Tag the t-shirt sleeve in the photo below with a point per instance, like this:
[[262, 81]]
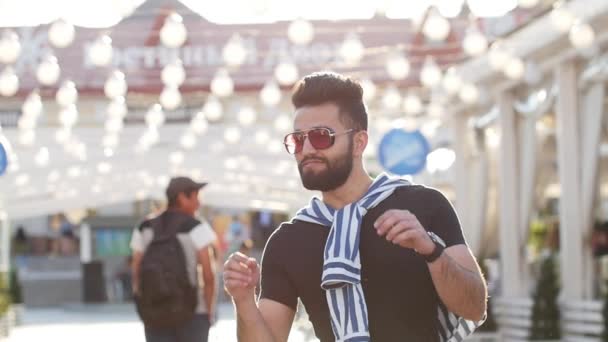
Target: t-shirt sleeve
[[275, 283], [444, 220], [202, 235], [137, 241]]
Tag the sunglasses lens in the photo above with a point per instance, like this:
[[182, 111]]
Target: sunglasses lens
[[293, 143], [320, 138]]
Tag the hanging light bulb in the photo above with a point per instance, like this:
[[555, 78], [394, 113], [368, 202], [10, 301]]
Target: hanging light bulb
[[246, 116], [412, 104], [9, 82], [213, 109], [300, 32], [176, 158], [286, 73], [48, 71], [67, 94], [270, 95], [27, 138], [42, 157], [117, 108], [173, 34], [63, 134], [449, 8], [434, 110], [110, 140], [68, 116], [475, 43], [581, 36], [282, 123], [100, 52], [222, 85], [397, 66], [262, 137], [170, 98], [527, 3], [104, 168], [114, 125], [155, 116], [188, 141], [369, 89], [469, 93], [234, 52], [32, 106], [173, 74], [391, 99], [561, 17], [199, 124], [430, 75], [451, 81], [232, 135], [116, 85], [150, 137], [61, 33], [436, 27], [26, 123], [497, 56], [514, 69], [10, 47], [351, 49]]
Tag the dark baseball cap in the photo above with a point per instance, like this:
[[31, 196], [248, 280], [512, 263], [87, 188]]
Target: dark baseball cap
[[178, 185]]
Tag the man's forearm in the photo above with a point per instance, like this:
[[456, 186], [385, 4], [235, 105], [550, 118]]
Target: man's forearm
[[461, 290], [251, 326], [209, 294]]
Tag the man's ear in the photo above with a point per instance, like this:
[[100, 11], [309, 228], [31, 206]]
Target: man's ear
[[360, 140]]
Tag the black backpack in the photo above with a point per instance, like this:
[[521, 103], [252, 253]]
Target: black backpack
[[166, 298]]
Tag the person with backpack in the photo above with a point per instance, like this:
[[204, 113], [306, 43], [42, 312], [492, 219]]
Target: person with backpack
[[167, 252]]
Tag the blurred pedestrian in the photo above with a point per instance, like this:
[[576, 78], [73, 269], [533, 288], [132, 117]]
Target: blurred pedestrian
[[167, 252]]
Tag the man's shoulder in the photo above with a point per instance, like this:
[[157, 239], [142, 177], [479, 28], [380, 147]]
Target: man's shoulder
[[417, 192], [185, 223], [289, 231], [146, 223]]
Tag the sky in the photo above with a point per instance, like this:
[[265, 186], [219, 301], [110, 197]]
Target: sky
[[105, 13]]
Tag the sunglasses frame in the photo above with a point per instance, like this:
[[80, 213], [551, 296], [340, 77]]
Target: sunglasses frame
[[332, 135]]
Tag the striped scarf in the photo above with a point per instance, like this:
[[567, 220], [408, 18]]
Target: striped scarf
[[341, 277]]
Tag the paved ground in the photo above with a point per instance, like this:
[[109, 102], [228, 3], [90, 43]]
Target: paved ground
[[103, 323]]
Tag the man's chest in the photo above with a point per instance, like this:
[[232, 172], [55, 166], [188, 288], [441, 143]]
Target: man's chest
[[384, 266]]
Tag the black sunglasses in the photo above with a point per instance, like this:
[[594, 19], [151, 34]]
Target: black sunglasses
[[320, 138]]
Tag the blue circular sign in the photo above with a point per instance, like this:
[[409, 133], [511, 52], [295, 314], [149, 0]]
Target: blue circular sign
[[3, 159], [402, 152]]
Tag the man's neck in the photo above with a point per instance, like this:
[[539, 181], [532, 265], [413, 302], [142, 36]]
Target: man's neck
[[351, 191], [180, 210]]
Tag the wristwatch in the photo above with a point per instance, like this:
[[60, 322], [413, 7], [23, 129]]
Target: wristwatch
[[439, 248]]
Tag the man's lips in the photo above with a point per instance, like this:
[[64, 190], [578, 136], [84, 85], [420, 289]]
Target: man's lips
[[311, 162]]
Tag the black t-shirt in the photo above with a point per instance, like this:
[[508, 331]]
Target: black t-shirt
[[400, 296]]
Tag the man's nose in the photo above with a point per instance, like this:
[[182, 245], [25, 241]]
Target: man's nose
[[307, 147]]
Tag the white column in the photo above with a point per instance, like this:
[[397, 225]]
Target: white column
[[591, 120], [510, 248], [461, 170], [86, 249], [478, 189], [569, 164], [5, 241], [527, 157]]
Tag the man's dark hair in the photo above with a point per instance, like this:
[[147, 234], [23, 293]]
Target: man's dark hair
[[172, 201], [329, 87]]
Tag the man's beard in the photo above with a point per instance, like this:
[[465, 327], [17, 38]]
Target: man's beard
[[335, 174]]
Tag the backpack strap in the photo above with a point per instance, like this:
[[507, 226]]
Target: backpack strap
[[168, 224]]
